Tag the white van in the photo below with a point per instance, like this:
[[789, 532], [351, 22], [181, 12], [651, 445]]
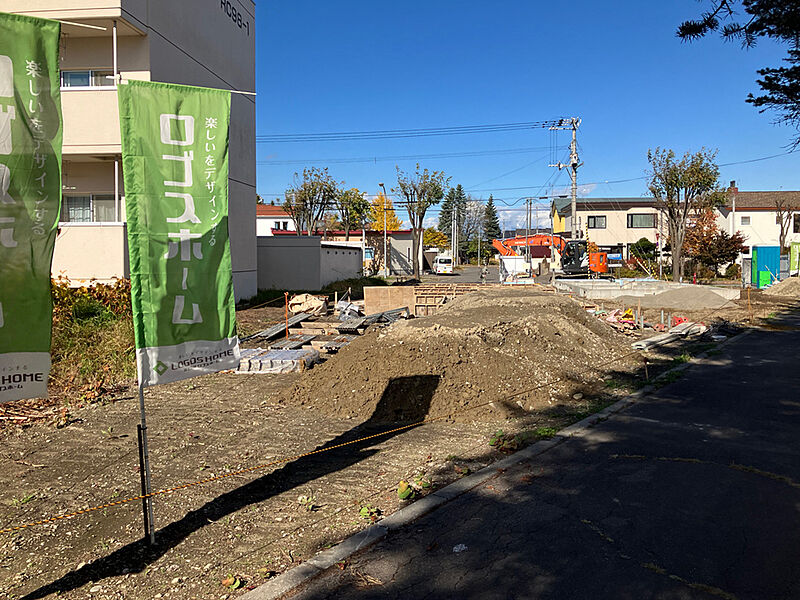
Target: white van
[[443, 265]]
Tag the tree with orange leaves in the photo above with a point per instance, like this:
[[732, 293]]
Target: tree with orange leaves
[[708, 244]]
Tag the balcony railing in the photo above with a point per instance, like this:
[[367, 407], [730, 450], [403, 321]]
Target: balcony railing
[[91, 120]]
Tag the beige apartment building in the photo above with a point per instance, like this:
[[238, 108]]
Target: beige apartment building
[[209, 44], [614, 224]]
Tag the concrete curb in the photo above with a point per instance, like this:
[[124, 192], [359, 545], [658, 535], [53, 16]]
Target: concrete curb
[[322, 561]]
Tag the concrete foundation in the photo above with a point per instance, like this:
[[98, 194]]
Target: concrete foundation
[[602, 289]]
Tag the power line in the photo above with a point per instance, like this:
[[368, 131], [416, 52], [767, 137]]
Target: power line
[[610, 182], [511, 172], [384, 134], [368, 159], [603, 182]]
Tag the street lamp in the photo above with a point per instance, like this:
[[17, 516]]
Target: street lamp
[[386, 257]]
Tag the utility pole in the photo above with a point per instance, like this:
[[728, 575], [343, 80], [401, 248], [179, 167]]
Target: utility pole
[[454, 235], [527, 229], [573, 165], [386, 257], [479, 243], [660, 248]]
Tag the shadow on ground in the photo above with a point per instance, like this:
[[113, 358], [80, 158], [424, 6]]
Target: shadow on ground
[[691, 494], [405, 400]]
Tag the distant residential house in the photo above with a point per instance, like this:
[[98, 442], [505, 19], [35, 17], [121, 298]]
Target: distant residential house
[[269, 217], [399, 243], [754, 214], [614, 224]]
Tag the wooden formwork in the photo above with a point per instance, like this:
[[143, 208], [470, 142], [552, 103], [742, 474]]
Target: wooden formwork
[[429, 297]]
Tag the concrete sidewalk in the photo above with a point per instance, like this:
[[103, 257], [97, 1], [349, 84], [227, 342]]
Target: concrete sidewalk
[[692, 493]]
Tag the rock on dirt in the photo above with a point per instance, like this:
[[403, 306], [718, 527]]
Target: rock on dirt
[[788, 287], [518, 349]]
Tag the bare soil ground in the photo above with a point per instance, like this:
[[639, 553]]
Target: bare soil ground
[[788, 288], [756, 309], [484, 356], [482, 348], [253, 320]]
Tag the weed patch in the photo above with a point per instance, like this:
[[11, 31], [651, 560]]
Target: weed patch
[[92, 340], [682, 358], [505, 442], [545, 433]]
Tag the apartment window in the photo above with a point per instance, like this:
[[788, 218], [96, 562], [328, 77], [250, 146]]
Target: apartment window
[[95, 208], [103, 208], [796, 227], [745, 221], [86, 78], [641, 221], [596, 222], [76, 209]]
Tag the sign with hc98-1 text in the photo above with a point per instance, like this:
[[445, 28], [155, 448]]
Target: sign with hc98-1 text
[[237, 15]]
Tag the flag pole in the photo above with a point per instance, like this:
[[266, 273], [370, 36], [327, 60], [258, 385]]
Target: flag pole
[[144, 470]]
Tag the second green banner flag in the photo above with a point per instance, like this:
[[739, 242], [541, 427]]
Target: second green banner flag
[[175, 165]]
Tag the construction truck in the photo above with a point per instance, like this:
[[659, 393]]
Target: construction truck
[[576, 258]]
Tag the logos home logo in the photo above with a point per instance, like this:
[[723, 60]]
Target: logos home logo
[[194, 362], [18, 381]]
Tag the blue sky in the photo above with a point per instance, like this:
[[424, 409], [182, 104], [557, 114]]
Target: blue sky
[[360, 66]]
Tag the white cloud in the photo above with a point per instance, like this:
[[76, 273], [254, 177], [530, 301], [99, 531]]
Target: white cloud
[[515, 219]]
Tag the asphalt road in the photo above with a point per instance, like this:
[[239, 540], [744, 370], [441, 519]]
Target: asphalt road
[[692, 493], [464, 274]]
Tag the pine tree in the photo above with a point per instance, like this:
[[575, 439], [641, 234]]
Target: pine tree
[[446, 213], [460, 204], [491, 222], [456, 199]]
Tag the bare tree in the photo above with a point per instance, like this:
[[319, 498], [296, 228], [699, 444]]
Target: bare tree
[[682, 188], [420, 190], [309, 198], [473, 222], [784, 208]]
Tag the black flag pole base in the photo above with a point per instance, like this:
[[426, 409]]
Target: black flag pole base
[[144, 472], [143, 478]]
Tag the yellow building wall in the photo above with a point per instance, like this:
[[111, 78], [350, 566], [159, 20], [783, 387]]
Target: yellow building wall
[[559, 222]]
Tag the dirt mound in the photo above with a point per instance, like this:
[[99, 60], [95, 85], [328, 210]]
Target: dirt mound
[[788, 287], [481, 347], [687, 298]]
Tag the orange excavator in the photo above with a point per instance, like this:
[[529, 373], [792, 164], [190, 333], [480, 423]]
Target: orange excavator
[[576, 258]]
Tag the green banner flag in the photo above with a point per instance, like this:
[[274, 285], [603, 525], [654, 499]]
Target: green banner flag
[[175, 166], [30, 199]]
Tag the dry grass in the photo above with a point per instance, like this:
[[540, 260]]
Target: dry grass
[[92, 344]]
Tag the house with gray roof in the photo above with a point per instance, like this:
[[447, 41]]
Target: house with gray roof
[[614, 224]]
